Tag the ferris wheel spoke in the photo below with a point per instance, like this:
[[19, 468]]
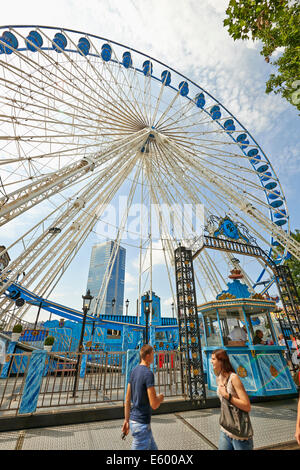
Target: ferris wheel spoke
[[23, 199], [259, 218], [239, 180], [101, 294], [80, 101], [210, 271], [212, 280], [114, 90], [70, 246], [179, 116], [31, 253]]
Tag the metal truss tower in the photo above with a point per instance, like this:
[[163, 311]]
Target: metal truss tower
[[188, 323]]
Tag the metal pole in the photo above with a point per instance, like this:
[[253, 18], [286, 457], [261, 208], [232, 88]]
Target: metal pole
[[147, 318], [79, 351], [37, 317]]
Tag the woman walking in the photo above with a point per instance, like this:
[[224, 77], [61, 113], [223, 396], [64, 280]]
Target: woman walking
[[235, 404]]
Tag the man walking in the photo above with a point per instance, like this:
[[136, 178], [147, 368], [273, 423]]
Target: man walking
[[141, 393]]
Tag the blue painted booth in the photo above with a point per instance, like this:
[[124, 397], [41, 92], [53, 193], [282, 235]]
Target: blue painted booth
[[230, 323]]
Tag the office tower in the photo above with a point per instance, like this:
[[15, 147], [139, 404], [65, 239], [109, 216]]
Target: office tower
[[100, 264]]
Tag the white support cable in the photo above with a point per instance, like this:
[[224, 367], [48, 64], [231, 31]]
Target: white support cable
[[242, 204], [140, 250], [24, 260], [23, 199], [6, 303], [64, 72], [163, 233], [66, 256], [110, 265], [186, 190], [211, 281]]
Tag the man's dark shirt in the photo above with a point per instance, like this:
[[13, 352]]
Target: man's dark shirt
[[141, 378]]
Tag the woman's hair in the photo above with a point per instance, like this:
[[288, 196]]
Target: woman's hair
[[222, 356]]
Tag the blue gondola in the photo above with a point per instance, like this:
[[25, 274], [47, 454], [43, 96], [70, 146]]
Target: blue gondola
[[255, 157], [271, 185], [215, 112], [200, 100], [281, 214], [266, 176], [106, 52], [262, 168], [166, 77], [229, 125], [280, 222], [276, 203], [36, 39], [59, 42], [9, 39], [274, 195], [84, 46], [127, 60], [184, 88], [242, 139], [147, 68]]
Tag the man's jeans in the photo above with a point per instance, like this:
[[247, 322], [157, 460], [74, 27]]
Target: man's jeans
[[142, 436], [227, 443]]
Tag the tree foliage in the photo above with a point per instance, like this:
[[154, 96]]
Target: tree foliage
[[276, 23]]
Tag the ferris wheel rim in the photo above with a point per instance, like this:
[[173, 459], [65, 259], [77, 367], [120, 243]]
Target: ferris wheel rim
[[230, 114]]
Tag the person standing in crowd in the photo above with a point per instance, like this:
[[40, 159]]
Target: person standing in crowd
[[231, 388], [142, 394]]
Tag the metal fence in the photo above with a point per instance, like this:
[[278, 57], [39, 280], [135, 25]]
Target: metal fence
[[89, 378]]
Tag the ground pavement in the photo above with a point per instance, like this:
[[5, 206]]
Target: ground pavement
[[273, 424]]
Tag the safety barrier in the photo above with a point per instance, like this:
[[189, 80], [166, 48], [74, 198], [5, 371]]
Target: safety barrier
[[40, 380]]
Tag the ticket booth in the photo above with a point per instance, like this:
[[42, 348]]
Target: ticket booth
[[240, 323]]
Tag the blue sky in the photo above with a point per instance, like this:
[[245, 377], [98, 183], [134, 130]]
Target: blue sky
[[188, 36]]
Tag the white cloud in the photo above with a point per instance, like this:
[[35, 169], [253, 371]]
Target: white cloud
[[157, 257]]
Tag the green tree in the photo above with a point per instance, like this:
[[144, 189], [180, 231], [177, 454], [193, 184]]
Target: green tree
[[276, 23]]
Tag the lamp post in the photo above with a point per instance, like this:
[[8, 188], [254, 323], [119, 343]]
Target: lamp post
[[172, 305], [87, 298], [127, 305], [147, 303]]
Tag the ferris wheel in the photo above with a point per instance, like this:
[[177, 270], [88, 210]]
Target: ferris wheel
[[85, 119]]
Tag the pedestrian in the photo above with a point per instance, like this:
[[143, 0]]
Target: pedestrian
[[281, 340], [297, 433], [239, 333], [142, 394], [230, 388]]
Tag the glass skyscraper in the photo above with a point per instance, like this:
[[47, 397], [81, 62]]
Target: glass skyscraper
[[100, 264]]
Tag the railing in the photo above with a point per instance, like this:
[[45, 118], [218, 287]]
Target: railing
[[9, 320], [11, 387], [78, 380]]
